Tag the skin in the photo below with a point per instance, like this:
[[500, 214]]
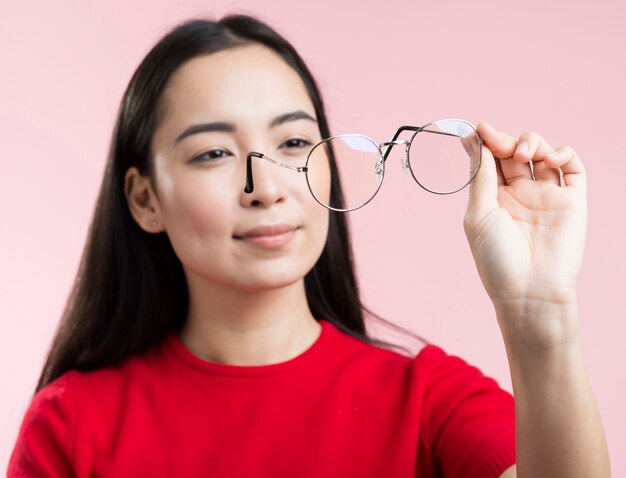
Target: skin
[[527, 238], [248, 305]]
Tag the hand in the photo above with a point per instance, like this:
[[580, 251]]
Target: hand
[[527, 235]]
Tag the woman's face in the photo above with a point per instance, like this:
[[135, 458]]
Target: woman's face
[[253, 101]]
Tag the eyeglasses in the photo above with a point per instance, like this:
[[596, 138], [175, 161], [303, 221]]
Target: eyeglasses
[[443, 157]]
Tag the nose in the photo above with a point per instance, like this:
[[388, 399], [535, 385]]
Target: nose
[[263, 187]]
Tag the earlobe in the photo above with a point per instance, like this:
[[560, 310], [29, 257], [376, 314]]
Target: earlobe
[[142, 201]]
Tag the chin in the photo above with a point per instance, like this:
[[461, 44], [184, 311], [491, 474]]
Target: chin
[[268, 283]]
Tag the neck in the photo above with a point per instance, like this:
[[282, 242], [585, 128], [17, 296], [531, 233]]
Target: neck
[[236, 327]]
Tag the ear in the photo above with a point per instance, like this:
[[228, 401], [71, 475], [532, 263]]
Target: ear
[[142, 201]]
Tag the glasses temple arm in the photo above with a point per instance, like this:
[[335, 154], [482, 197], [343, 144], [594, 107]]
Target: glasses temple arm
[[441, 132], [417, 129]]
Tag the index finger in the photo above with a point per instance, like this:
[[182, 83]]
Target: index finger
[[500, 144], [504, 145]]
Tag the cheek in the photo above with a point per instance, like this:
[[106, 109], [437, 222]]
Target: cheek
[[319, 217], [319, 177], [319, 182], [322, 227], [194, 199], [196, 213]]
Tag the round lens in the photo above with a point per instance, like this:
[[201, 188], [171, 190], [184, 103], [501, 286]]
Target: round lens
[[359, 170], [444, 155]]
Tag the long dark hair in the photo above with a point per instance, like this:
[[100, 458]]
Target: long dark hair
[[130, 290]]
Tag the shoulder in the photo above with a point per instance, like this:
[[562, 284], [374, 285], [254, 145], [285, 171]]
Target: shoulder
[[68, 395], [448, 382], [468, 420], [439, 367], [46, 440], [426, 374], [427, 363], [79, 393], [49, 440], [106, 391]]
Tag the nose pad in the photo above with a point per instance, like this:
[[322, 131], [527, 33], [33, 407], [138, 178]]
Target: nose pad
[[378, 169], [405, 166]]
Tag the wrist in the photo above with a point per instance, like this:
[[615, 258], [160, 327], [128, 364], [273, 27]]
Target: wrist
[[528, 325]]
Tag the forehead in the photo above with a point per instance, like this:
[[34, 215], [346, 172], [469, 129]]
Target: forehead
[[234, 84]]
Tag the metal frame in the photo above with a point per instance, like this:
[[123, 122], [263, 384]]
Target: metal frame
[[388, 145]]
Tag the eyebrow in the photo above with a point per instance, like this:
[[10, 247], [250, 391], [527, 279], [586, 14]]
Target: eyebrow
[[225, 127]]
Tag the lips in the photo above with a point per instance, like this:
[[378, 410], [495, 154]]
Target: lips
[[268, 236], [264, 231]]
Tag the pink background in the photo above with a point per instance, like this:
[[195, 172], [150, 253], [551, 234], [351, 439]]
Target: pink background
[[554, 67]]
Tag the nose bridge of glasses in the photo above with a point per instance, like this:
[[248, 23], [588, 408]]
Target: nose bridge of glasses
[[404, 161]]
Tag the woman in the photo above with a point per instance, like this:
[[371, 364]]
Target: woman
[[214, 331]]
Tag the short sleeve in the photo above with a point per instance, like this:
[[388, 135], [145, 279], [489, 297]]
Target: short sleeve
[[44, 443], [468, 420]]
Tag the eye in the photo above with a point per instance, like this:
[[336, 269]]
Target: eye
[[295, 144], [211, 155]]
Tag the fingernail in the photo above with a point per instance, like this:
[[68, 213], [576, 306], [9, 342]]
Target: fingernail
[[554, 154], [522, 148]]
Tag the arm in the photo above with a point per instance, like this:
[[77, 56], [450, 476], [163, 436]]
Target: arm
[[558, 426], [527, 238]]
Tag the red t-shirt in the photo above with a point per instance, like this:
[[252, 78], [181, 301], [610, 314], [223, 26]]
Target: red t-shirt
[[342, 408]]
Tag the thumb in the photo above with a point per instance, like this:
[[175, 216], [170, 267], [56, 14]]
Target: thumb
[[483, 193]]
